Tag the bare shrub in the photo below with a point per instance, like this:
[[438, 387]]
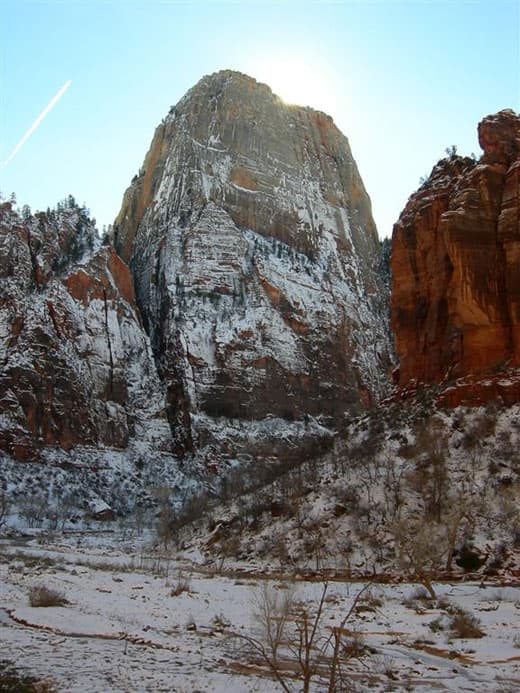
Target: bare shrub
[[296, 644], [371, 599], [354, 645], [436, 625], [280, 550], [394, 475], [430, 477], [258, 506], [41, 595], [481, 427], [229, 547], [477, 432], [272, 609], [420, 548], [5, 507], [172, 523], [166, 525], [33, 508], [220, 622], [183, 584], [12, 680], [465, 625], [459, 518], [313, 543], [347, 495]]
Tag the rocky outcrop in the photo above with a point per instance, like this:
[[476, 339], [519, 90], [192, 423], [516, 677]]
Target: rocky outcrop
[[76, 367], [455, 253], [254, 255]]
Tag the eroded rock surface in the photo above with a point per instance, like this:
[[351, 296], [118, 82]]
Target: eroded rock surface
[[76, 366], [254, 254], [455, 252]]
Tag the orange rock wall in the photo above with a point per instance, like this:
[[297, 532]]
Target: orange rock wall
[[455, 250]]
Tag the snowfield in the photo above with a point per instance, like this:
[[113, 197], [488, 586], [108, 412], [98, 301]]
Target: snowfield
[[140, 619]]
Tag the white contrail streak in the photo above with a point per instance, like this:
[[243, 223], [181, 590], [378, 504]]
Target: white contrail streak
[[38, 120]]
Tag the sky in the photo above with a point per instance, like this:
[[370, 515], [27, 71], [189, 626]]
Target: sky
[[402, 79]]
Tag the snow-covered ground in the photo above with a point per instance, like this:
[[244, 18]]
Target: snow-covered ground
[[139, 620]]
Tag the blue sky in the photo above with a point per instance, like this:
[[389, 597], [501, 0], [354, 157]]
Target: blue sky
[[403, 80]]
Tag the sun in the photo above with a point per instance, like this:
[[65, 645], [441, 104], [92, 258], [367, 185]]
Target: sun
[[300, 82]]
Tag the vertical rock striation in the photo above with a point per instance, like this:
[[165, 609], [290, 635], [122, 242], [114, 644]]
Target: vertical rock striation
[[254, 255], [76, 368], [455, 252]]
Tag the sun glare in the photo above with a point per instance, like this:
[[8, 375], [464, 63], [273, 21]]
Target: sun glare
[[297, 82]]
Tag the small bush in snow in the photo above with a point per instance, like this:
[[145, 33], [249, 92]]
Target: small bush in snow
[[436, 625], [190, 624], [220, 622], [465, 625], [419, 596], [354, 645], [14, 681], [371, 599], [183, 584], [40, 595]]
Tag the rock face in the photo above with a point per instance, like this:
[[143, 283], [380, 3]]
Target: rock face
[[455, 258], [76, 368], [254, 255]]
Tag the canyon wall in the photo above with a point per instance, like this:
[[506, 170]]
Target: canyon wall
[[455, 250]]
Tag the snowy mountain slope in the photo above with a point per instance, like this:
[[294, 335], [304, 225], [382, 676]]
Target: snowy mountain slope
[[78, 383], [410, 489]]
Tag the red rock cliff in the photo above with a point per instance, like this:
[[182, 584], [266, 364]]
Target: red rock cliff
[[455, 252]]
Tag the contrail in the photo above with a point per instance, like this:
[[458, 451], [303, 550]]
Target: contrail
[[38, 120]]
